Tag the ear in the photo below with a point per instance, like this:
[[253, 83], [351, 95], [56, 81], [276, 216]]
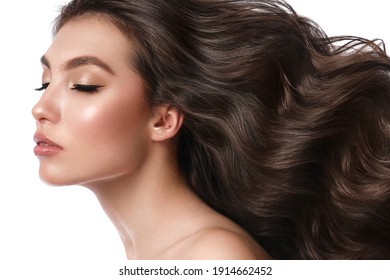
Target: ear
[[166, 122]]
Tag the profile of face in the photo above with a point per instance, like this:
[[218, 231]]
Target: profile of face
[[93, 122]]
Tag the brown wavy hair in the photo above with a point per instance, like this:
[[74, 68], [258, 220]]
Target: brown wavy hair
[[286, 131]]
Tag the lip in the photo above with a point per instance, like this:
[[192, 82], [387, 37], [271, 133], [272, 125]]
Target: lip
[[45, 146]]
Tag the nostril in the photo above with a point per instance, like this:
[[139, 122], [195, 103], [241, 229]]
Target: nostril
[[37, 112]]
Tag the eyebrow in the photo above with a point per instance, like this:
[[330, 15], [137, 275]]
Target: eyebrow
[[81, 61]]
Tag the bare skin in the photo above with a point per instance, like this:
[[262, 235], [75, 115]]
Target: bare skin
[[170, 222], [113, 144]]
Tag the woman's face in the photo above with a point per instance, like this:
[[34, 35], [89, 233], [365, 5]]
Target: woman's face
[[92, 118]]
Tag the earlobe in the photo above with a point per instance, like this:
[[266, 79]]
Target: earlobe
[[166, 123]]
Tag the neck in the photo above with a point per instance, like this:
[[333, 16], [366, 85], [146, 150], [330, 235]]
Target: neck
[[156, 200]]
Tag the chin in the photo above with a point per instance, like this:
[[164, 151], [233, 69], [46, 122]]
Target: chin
[[55, 182], [55, 179]]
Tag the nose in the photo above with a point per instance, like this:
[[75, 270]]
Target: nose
[[47, 108]]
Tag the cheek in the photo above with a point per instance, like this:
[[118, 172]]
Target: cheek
[[101, 140], [113, 129]]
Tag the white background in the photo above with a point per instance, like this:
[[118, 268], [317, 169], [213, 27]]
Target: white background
[[49, 225]]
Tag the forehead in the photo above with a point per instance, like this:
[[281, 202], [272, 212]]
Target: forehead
[[90, 36]]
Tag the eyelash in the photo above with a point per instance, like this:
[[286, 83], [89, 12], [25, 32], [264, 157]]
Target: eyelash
[[86, 88], [43, 87], [78, 87]]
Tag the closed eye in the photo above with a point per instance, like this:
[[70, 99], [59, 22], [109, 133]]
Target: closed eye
[[86, 88], [43, 87]]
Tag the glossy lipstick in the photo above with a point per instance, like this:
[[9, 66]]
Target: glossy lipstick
[[45, 147]]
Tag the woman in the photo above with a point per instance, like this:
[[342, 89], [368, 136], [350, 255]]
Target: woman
[[213, 129]]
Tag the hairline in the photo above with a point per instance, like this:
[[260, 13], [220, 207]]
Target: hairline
[[104, 18]]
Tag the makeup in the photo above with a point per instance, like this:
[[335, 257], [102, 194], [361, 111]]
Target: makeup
[[86, 88], [43, 87], [78, 87], [45, 146]]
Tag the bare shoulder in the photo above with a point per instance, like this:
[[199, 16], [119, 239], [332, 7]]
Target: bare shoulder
[[223, 244]]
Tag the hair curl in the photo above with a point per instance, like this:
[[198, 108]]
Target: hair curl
[[286, 131]]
